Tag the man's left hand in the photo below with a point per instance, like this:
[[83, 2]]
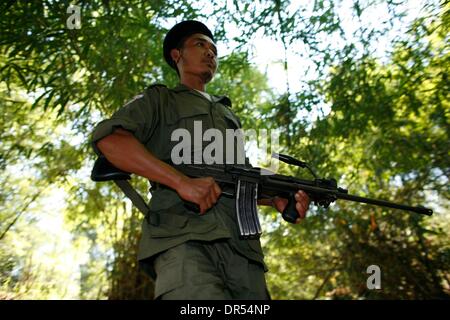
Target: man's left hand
[[302, 204]]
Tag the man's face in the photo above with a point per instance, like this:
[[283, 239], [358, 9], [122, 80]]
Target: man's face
[[198, 56]]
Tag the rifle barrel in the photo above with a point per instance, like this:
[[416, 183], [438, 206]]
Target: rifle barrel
[[345, 196], [418, 209]]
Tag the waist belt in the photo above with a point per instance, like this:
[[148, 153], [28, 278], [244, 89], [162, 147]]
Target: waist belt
[[227, 191]]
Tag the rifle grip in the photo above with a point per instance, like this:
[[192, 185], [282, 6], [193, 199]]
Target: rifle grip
[[290, 213]]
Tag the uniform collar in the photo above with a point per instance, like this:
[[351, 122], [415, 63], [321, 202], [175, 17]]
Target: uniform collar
[[222, 99]]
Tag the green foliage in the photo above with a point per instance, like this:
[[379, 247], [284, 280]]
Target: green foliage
[[385, 137]]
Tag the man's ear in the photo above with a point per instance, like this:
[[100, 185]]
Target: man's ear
[[175, 55]]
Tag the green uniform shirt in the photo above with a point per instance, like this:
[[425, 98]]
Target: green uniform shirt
[[151, 117]]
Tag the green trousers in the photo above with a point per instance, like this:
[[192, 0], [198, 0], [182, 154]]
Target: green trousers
[[208, 271]]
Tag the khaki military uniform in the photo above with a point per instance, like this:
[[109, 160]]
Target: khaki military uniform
[[152, 117]]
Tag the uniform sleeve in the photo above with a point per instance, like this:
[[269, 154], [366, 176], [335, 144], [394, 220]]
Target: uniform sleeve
[[140, 116]]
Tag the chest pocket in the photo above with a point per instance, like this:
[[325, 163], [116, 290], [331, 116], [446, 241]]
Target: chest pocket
[[225, 118], [191, 116], [232, 121], [184, 116]]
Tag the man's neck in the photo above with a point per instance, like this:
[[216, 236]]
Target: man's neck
[[193, 82]]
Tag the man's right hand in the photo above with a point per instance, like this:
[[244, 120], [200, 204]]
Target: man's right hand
[[202, 191]]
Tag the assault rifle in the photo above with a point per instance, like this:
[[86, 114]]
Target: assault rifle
[[249, 184]]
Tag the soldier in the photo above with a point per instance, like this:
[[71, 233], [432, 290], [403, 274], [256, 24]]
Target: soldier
[[190, 255]]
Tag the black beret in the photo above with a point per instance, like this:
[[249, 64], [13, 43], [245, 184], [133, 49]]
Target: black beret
[[180, 31]]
